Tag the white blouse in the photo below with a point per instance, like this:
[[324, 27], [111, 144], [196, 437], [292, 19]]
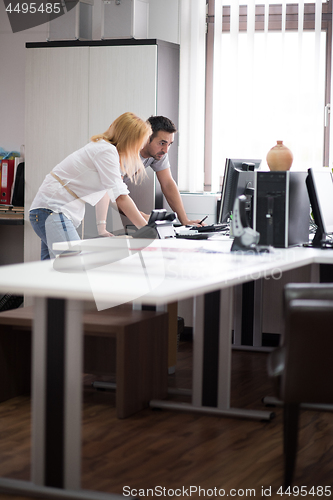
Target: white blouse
[[89, 172]]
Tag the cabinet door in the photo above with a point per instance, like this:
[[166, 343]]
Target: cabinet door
[[124, 78], [57, 82]]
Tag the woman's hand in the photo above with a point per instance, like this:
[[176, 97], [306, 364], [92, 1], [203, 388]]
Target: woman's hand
[[101, 228], [105, 233]]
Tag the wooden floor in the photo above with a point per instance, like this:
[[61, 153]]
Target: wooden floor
[[174, 450]]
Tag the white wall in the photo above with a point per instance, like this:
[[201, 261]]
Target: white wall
[[164, 20], [163, 24], [12, 80]]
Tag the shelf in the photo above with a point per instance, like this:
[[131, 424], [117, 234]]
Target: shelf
[[11, 216]]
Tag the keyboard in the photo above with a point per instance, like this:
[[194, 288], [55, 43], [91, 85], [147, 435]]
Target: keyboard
[[201, 233], [211, 228], [195, 236]]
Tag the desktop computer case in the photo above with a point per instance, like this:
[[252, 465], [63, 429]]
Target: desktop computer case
[[281, 208]]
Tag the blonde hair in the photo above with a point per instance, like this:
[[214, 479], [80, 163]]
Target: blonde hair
[[129, 134]]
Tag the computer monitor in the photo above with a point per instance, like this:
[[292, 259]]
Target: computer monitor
[[238, 179], [320, 189]]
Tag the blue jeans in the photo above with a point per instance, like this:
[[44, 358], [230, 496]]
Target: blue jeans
[[51, 227]]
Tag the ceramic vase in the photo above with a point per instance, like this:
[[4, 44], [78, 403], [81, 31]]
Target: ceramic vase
[[279, 157]]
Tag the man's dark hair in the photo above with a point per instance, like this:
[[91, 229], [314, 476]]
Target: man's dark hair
[[158, 123]]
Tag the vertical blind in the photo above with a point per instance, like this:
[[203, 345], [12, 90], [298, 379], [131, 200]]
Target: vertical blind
[[267, 83], [192, 95]]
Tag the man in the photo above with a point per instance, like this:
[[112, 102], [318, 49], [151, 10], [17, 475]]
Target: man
[[155, 155]]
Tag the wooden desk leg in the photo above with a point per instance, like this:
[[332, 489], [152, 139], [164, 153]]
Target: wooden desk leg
[[173, 330], [213, 314], [57, 393]]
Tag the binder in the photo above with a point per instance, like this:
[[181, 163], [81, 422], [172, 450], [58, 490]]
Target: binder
[[7, 178], [18, 185]]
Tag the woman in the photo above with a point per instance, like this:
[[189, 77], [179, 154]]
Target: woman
[[93, 174]]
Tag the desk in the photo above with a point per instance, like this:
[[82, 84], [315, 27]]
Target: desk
[[111, 271], [11, 234], [11, 216]]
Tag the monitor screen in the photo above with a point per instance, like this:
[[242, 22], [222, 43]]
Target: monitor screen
[[320, 189], [238, 179]]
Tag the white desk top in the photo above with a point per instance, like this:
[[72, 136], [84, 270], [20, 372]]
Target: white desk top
[[113, 271]]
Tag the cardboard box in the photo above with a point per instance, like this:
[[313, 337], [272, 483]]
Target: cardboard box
[[125, 19], [76, 24]]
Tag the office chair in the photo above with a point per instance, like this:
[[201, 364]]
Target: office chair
[[302, 368]]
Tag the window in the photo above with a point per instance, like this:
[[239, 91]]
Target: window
[[268, 79]]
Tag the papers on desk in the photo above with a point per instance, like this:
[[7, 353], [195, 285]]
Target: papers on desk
[[165, 271], [140, 267], [116, 245], [105, 244]]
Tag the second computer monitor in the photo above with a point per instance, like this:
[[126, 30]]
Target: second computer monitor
[[320, 189], [238, 179]]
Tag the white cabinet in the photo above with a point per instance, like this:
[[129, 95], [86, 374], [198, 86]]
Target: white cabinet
[[76, 89], [57, 104]]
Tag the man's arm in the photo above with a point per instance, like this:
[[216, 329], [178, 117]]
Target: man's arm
[[172, 195]]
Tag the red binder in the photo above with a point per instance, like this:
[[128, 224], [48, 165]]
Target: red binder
[[7, 178]]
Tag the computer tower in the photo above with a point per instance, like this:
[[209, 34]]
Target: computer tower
[[281, 208]]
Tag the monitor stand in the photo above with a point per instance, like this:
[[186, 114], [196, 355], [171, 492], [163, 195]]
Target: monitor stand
[[320, 240]]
